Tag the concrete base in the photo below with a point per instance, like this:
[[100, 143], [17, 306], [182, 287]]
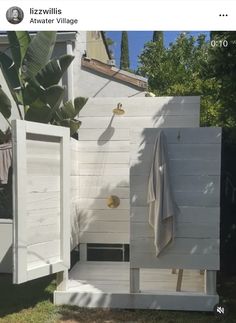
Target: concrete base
[[160, 301]]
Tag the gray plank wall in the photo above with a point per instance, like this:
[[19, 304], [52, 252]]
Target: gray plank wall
[[104, 157], [195, 157]]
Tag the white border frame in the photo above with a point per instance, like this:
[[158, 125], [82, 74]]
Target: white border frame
[[20, 129]]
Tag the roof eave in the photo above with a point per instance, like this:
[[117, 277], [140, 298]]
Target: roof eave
[[114, 73]]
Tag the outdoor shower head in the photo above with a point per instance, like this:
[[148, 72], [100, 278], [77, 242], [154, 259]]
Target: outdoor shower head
[[118, 110]]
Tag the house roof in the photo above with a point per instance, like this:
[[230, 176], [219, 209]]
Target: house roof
[[114, 72]]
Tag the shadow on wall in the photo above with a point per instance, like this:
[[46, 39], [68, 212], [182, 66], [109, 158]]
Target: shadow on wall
[[107, 134], [190, 231], [98, 222], [74, 237], [6, 262], [159, 119], [95, 216]]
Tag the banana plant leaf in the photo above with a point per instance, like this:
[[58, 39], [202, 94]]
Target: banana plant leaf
[[11, 76], [50, 98], [38, 53], [53, 96], [32, 91], [70, 123], [54, 70], [19, 42], [79, 103], [68, 110], [38, 103], [5, 104], [38, 114]]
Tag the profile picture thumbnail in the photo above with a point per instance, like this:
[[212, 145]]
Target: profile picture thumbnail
[[15, 15]]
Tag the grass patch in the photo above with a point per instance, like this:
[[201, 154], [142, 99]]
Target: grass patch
[[28, 302], [42, 312], [32, 302], [74, 314]]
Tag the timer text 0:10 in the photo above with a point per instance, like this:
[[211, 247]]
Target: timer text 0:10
[[219, 43]]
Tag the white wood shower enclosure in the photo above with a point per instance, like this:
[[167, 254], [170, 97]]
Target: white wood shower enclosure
[[60, 201]]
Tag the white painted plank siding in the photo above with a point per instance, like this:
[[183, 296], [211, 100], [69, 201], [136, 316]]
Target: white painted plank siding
[[95, 191], [100, 135], [180, 136], [195, 156], [105, 154], [74, 193], [124, 122], [100, 107]]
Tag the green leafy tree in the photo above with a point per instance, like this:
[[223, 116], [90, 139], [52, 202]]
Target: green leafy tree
[[158, 36], [181, 69], [124, 57], [32, 78], [222, 66]]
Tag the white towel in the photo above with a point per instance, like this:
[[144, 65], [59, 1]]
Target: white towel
[[162, 207], [5, 161]]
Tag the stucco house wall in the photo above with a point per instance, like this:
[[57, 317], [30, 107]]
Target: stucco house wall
[[94, 85], [95, 46]]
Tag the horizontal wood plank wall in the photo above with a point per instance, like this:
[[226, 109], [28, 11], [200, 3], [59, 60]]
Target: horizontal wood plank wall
[[194, 158], [43, 202], [104, 157], [43, 195]]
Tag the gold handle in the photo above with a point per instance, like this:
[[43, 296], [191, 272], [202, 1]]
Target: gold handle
[[118, 110], [113, 201]]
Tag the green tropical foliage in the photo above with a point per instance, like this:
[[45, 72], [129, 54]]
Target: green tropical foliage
[[32, 78], [5, 104]]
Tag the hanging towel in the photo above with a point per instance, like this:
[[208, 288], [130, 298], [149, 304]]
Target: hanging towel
[[5, 161], [162, 207]]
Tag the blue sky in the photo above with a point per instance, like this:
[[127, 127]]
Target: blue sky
[[137, 39]]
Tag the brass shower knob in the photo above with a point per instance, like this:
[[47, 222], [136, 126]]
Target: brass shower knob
[[113, 201]]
